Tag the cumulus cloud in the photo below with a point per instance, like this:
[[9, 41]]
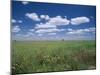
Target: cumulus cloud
[[81, 31], [31, 30], [28, 34], [13, 21], [42, 16], [76, 32], [40, 34], [79, 20], [44, 26], [16, 21], [25, 3], [16, 29], [18, 34], [51, 33], [51, 25], [62, 29], [46, 17], [70, 29], [92, 29], [58, 20], [20, 21], [48, 30], [33, 16]]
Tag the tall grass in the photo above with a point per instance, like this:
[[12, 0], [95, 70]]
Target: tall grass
[[47, 56]]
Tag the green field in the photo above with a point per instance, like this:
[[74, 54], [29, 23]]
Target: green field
[[47, 56]]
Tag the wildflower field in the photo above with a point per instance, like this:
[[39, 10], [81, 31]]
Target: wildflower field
[[50, 56]]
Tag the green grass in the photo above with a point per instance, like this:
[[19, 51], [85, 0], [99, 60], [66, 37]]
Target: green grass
[[47, 56]]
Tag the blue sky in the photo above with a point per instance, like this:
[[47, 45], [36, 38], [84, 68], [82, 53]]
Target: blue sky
[[50, 21]]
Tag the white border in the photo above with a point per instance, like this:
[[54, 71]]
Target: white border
[[5, 37]]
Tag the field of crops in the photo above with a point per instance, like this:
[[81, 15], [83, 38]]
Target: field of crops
[[48, 56]]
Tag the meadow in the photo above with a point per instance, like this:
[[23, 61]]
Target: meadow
[[51, 56]]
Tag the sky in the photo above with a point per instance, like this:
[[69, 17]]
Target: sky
[[51, 21]]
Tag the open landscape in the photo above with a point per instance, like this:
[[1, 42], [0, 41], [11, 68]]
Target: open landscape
[[52, 37], [48, 56]]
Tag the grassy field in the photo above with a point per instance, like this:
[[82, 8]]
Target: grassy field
[[47, 56]]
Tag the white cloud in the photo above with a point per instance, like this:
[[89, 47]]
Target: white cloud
[[25, 3], [70, 29], [46, 17], [40, 34], [42, 16], [31, 30], [51, 33], [79, 20], [92, 29], [62, 29], [16, 29], [18, 34], [29, 34], [16, 21], [48, 30], [13, 21], [33, 16], [75, 32], [81, 31], [44, 26], [20, 21], [52, 22], [51, 25], [58, 20]]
